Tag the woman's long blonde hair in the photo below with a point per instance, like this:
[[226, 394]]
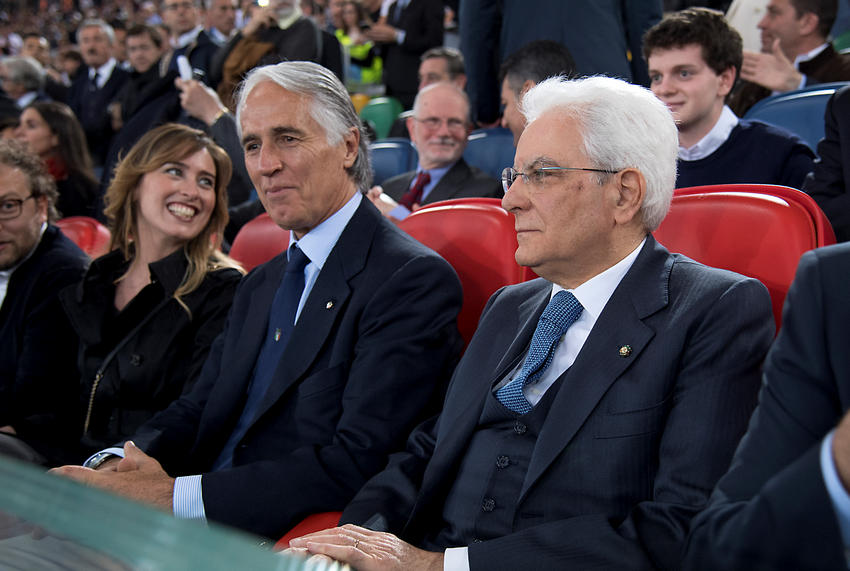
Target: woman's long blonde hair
[[165, 144]]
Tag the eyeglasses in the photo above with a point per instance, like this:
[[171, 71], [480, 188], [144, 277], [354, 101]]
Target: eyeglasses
[[178, 6], [11, 208], [435, 123], [537, 177]]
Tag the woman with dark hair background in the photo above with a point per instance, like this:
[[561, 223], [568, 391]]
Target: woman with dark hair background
[[52, 131]]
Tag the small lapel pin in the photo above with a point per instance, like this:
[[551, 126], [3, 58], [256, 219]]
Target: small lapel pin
[[277, 334], [329, 305], [625, 351]]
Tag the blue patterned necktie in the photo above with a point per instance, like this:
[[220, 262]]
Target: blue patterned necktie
[[558, 316]]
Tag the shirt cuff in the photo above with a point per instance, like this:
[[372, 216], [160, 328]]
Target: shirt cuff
[[400, 212], [456, 559], [189, 499], [837, 493], [117, 451], [803, 82]]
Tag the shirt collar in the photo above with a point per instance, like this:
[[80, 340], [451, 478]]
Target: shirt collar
[[595, 292], [318, 242], [185, 39], [713, 139], [809, 55], [284, 23], [26, 98], [104, 72]]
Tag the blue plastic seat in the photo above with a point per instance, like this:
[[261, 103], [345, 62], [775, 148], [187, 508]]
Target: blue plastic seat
[[491, 150], [801, 111], [391, 157]]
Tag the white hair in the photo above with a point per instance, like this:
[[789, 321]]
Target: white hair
[[622, 126]]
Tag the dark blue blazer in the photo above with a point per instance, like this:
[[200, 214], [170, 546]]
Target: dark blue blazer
[[369, 358], [461, 181], [38, 366], [632, 445], [98, 132], [828, 184], [599, 34], [772, 509]]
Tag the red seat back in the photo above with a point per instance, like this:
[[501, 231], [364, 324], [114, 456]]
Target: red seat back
[[88, 234], [477, 237], [755, 234], [259, 241], [310, 524]]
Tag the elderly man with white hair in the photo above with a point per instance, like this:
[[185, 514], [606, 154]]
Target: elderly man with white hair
[[596, 407]]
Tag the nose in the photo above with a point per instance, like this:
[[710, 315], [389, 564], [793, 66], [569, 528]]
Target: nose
[[268, 161], [762, 25], [443, 129], [664, 86], [515, 198]]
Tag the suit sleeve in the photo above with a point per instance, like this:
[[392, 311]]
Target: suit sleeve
[[426, 31], [639, 16], [479, 33], [826, 184], [403, 354], [713, 395], [772, 510]]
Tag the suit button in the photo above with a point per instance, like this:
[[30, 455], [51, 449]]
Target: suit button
[[135, 360], [488, 505], [503, 462], [520, 428]]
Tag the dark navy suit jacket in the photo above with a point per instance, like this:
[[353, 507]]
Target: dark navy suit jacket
[[632, 445], [369, 357], [772, 510], [461, 181]]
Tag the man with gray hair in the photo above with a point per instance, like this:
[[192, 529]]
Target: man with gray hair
[[333, 351], [96, 86], [23, 79], [596, 407]]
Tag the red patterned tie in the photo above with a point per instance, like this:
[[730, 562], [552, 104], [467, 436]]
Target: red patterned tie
[[414, 195]]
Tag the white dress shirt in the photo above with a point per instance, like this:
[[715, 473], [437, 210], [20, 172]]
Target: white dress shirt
[[713, 139]]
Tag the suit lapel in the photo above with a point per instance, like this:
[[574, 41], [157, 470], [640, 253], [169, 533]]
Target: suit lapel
[[457, 430], [642, 292], [450, 183], [324, 304]]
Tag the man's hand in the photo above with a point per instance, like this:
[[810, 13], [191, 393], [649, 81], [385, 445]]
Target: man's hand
[[773, 71], [381, 33], [8, 429], [136, 476], [367, 550], [198, 100], [260, 18]]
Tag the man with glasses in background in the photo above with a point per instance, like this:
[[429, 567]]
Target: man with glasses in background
[[183, 18], [595, 408], [36, 262], [439, 128]]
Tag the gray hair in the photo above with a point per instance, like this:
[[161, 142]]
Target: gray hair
[[97, 23], [330, 107], [622, 126], [441, 85], [26, 71]]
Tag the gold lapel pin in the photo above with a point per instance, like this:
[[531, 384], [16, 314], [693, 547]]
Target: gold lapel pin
[[329, 305], [625, 351]]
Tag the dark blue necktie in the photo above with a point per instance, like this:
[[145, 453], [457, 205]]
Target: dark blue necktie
[[558, 316], [281, 323]]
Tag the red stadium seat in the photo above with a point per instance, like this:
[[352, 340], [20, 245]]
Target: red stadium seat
[[259, 241], [88, 234], [310, 524], [759, 231], [477, 237]]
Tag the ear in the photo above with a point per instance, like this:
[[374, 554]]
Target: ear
[[631, 191], [42, 208], [808, 24], [352, 143], [525, 87], [727, 80]]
